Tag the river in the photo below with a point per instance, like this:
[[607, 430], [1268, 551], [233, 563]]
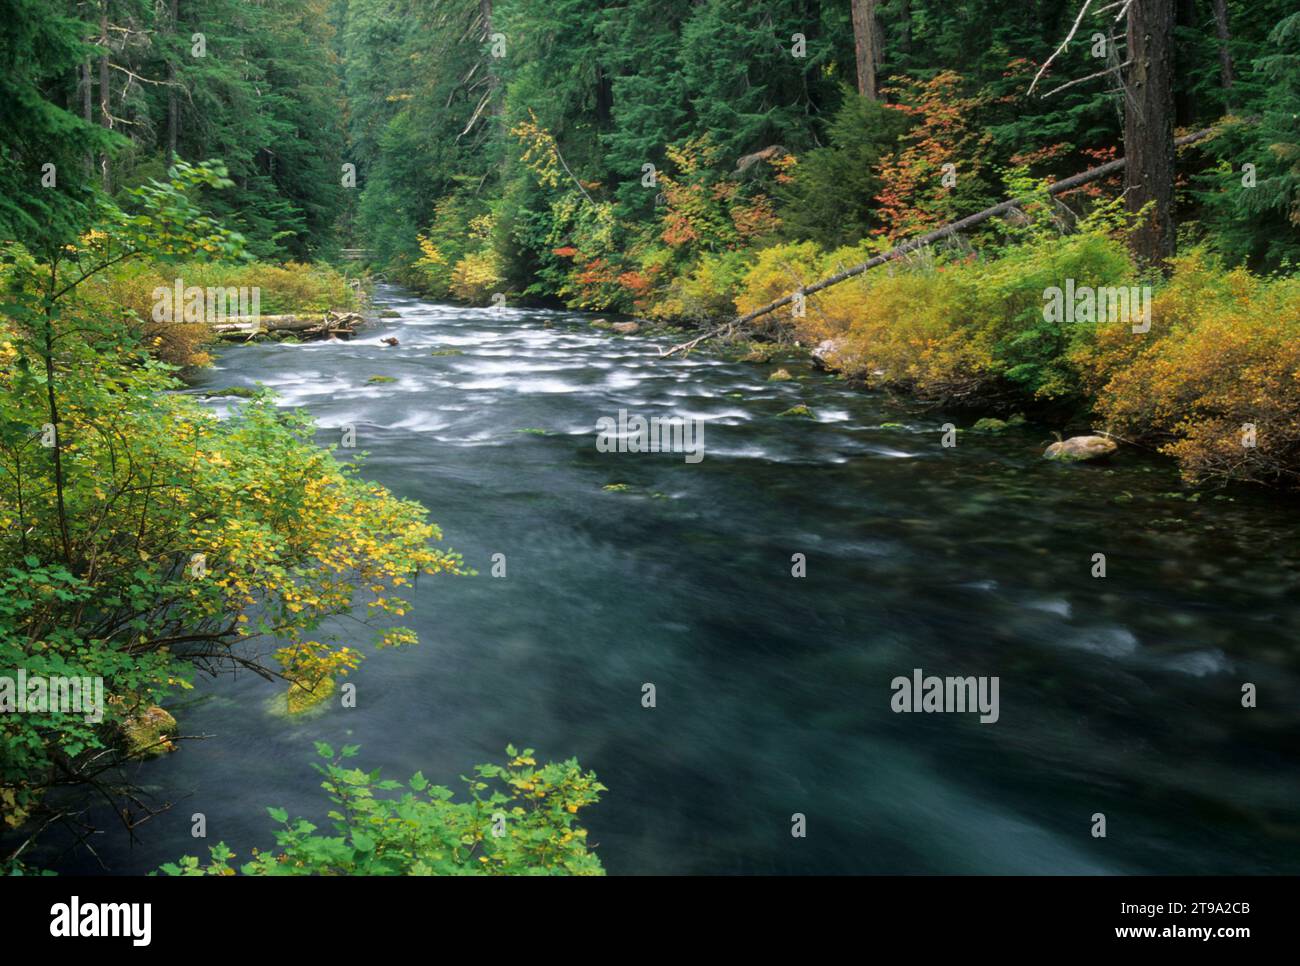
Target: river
[[1118, 695]]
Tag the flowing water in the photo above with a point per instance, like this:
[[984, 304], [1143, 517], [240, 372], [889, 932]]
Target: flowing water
[[1119, 696]]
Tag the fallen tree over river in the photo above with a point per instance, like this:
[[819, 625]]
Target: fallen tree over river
[[339, 325]]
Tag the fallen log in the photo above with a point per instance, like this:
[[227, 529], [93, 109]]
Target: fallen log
[[920, 241], [329, 325]]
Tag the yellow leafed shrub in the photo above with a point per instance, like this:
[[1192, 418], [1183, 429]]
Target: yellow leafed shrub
[[128, 292], [1216, 382], [957, 328], [475, 277], [707, 291]]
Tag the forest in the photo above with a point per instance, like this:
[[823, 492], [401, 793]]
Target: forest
[[1075, 218]]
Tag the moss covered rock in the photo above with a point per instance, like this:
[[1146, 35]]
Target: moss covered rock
[[148, 733], [1078, 448], [801, 411]]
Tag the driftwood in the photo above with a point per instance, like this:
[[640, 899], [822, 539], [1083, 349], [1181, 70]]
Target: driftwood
[[920, 241], [330, 325]]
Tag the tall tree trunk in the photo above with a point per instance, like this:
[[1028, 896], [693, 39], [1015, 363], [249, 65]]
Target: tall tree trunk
[[1149, 128], [105, 118], [1184, 103], [494, 104], [866, 45], [87, 85], [173, 102], [1225, 54]]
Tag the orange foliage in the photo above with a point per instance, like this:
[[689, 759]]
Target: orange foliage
[[914, 198]]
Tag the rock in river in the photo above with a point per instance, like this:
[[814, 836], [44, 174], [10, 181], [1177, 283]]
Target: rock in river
[[149, 732], [1081, 448], [626, 328], [825, 353]]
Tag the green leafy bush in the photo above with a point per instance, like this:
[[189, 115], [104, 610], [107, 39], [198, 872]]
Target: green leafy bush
[[140, 534], [519, 819]]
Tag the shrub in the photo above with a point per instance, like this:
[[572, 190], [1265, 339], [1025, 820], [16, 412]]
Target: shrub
[[475, 277], [776, 272], [955, 328], [519, 819], [139, 534], [126, 292], [1222, 356], [707, 291]]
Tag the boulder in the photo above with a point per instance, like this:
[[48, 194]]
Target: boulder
[[1081, 448], [626, 328], [147, 733], [800, 411], [990, 424], [826, 355], [781, 375]]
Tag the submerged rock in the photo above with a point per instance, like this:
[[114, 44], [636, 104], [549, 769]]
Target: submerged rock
[[781, 375], [1081, 448], [991, 424], [300, 698], [626, 328], [801, 411]]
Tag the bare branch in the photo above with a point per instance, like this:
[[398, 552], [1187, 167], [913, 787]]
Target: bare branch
[[1100, 73], [1064, 43]]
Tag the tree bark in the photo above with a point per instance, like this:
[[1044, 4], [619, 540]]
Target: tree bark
[[1184, 103], [307, 326], [866, 45], [105, 118], [1225, 37], [173, 102], [88, 110], [1149, 129]]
